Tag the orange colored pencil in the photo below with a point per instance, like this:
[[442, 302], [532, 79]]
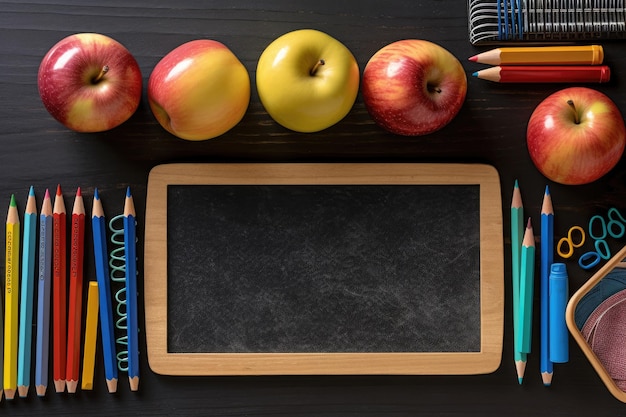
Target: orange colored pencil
[[59, 288], [77, 250]]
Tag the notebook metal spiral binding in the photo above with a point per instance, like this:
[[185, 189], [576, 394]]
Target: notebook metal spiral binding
[[546, 20], [117, 264]]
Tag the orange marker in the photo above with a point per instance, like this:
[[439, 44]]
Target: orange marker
[[77, 250], [59, 288]]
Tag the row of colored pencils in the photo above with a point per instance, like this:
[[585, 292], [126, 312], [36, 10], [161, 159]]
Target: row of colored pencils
[[523, 266], [56, 302]]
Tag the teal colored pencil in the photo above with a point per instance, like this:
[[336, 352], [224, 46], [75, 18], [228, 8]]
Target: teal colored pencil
[[517, 232], [527, 276], [42, 351], [98, 223], [130, 254], [27, 293]]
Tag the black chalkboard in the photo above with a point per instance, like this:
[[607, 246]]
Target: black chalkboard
[[323, 269], [316, 268]]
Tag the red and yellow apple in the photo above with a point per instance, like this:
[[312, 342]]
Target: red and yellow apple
[[307, 80], [199, 90], [576, 135], [89, 82], [413, 87]]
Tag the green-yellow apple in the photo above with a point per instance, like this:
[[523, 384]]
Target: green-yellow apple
[[413, 87], [199, 90], [576, 135], [307, 80], [89, 82]]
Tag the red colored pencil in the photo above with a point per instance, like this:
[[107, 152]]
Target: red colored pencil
[[59, 288], [546, 74], [77, 250]]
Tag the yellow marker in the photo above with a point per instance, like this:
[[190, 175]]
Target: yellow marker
[[543, 55], [91, 336], [11, 300]]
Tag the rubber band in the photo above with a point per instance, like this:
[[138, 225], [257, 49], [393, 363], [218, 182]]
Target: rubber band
[[583, 260]]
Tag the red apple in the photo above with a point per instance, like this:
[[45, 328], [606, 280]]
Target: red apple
[[413, 87], [199, 90], [90, 82], [576, 135]]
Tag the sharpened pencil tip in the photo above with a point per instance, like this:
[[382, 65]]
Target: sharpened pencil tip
[[13, 203], [475, 74], [78, 192], [59, 192], [473, 58], [31, 191], [96, 196], [547, 190], [128, 194], [520, 380], [47, 194], [528, 224]]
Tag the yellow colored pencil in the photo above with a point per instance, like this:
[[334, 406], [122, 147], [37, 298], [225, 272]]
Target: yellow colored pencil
[[91, 337], [542, 55], [11, 300]]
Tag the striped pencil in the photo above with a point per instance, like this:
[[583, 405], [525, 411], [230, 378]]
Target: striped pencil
[[131, 291], [59, 289], [43, 296], [77, 249], [98, 223], [27, 293], [11, 300]]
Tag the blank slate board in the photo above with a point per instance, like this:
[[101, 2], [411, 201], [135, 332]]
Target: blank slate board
[[255, 269]]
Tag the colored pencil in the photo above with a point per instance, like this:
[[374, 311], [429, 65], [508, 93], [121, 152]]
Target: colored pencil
[[546, 74], [104, 290], [543, 55], [59, 291], [517, 231], [130, 254], [29, 247], [547, 257], [11, 300], [77, 249], [527, 276], [43, 296], [91, 337]]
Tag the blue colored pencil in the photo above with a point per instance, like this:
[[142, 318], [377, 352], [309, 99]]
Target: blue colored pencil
[[98, 223], [130, 254], [547, 257], [43, 296], [29, 246]]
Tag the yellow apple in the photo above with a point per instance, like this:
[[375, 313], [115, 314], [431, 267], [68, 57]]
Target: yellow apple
[[199, 90], [307, 80]]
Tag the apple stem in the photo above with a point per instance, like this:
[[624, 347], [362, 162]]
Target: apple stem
[[316, 67], [103, 71], [573, 106], [433, 89]]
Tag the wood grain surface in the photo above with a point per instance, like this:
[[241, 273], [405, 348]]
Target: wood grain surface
[[490, 128]]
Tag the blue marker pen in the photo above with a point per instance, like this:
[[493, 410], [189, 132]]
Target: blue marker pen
[[558, 296]]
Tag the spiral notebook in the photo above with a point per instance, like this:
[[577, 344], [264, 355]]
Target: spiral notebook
[[545, 20]]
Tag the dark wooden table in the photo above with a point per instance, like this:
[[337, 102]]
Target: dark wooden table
[[36, 150]]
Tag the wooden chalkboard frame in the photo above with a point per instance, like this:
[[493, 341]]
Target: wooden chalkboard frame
[[486, 360]]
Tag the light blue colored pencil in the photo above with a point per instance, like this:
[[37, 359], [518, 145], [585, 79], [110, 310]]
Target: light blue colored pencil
[[130, 254], [547, 257], [25, 338], [43, 296], [98, 224]]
